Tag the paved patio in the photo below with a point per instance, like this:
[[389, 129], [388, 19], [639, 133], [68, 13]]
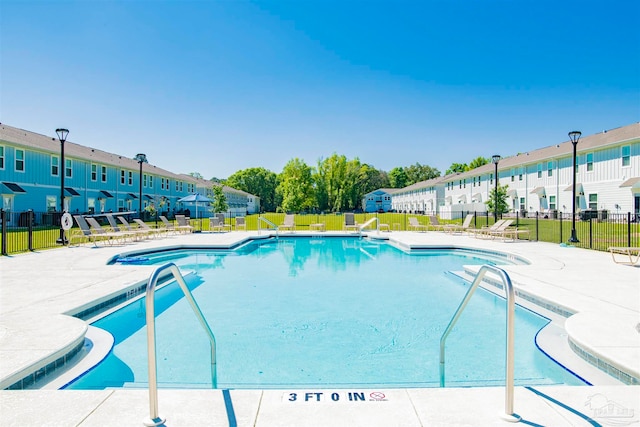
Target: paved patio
[[38, 291]]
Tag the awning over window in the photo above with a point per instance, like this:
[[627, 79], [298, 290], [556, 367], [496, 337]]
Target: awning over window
[[132, 196], [106, 194], [512, 193], [148, 197], [631, 182], [71, 192], [578, 187], [11, 188], [539, 191]]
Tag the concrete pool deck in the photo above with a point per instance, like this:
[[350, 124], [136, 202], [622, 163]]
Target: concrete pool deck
[[39, 290]]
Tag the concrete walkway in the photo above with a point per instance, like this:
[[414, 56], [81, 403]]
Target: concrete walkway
[[39, 290]]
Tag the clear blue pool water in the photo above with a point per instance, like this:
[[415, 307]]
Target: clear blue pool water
[[329, 312]]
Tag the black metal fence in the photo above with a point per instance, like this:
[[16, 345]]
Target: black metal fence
[[28, 231]]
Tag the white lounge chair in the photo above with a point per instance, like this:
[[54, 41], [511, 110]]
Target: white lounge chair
[[350, 223], [183, 224], [106, 235], [288, 223], [240, 223], [414, 225]]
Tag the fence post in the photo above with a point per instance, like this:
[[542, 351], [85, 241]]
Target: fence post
[[3, 220], [629, 229], [30, 228], [537, 227], [590, 232], [560, 227]]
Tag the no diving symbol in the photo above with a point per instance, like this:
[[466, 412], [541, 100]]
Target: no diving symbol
[[377, 395]]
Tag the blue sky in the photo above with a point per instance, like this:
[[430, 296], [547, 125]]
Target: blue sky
[[218, 86]]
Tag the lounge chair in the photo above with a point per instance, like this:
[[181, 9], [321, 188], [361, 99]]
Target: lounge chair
[[128, 233], [167, 225], [183, 224], [414, 225], [152, 231], [140, 232], [500, 231], [240, 223], [479, 232], [466, 224], [105, 235], [434, 224], [350, 223], [633, 254], [82, 233], [288, 223]]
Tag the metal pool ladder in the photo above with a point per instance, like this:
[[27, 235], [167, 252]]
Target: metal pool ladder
[[508, 287], [266, 221], [154, 419]]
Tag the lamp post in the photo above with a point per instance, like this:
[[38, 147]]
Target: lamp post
[[495, 159], [62, 136], [574, 136], [141, 158]]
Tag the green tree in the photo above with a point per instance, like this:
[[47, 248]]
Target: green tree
[[295, 186], [418, 173], [457, 168], [373, 179], [502, 205], [219, 199], [397, 177], [257, 181], [477, 162]]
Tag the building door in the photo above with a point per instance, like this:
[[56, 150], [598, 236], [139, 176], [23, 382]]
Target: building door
[[636, 204]]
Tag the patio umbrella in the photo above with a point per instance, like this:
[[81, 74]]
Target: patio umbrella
[[195, 198]]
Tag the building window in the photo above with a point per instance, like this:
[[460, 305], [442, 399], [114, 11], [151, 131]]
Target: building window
[[144, 180], [593, 201], [94, 172], [67, 170], [552, 202], [491, 179], [1, 157], [520, 170], [150, 181], [590, 162], [55, 165], [460, 184], [522, 204], [103, 173], [513, 175], [539, 170], [626, 155], [52, 203], [122, 177], [19, 160], [130, 178], [550, 169]]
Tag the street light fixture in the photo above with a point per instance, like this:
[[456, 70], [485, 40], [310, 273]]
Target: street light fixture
[[141, 158], [574, 136], [495, 159], [62, 136]]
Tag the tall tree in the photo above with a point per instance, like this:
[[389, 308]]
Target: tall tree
[[418, 173], [477, 162], [398, 177], [219, 199], [257, 181], [457, 168], [296, 186]]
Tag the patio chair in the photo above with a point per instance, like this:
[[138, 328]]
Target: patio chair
[[82, 233], [500, 231], [183, 224], [105, 235], [240, 223], [217, 226], [414, 225], [288, 223], [350, 223]]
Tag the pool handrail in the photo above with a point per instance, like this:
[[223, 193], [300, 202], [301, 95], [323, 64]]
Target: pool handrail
[[371, 220], [265, 220], [508, 415], [154, 419]]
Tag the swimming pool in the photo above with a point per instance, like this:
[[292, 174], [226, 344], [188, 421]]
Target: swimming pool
[[323, 312]]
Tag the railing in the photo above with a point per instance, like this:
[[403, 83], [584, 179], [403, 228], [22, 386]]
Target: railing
[[154, 419], [262, 219], [370, 221], [508, 287]]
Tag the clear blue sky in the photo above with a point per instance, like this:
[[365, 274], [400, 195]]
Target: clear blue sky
[[218, 86]]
